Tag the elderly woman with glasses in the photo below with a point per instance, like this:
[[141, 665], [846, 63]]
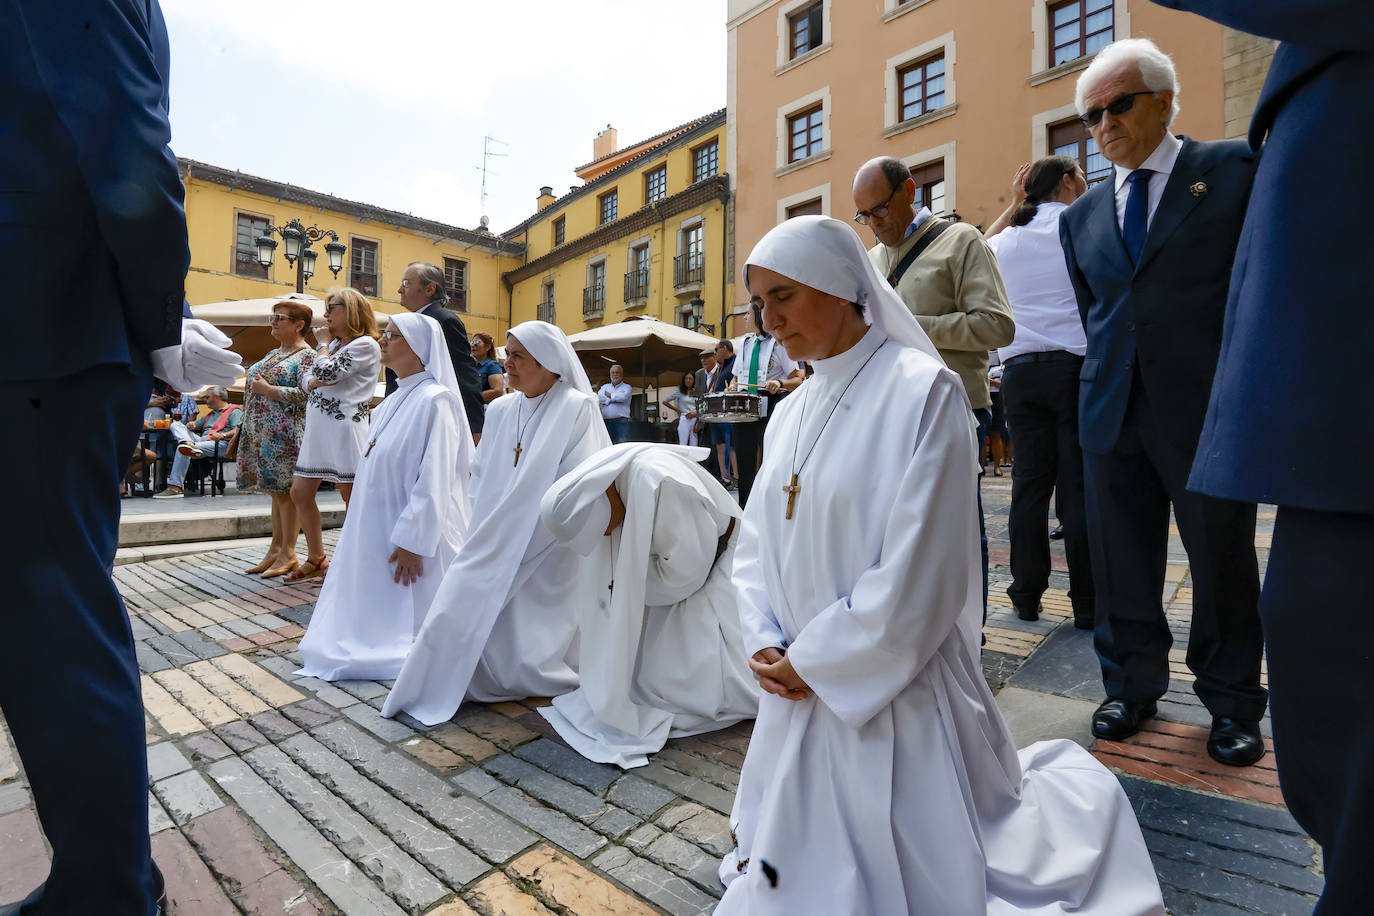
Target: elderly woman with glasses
[[270, 433], [339, 388]]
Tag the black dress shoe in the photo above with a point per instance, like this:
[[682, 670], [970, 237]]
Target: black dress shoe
[[1084, 621], [1029, 613], [1057, 533], [1234, 742], [1117, 719]]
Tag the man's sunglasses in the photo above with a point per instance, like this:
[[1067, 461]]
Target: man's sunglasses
[[1117, 106]]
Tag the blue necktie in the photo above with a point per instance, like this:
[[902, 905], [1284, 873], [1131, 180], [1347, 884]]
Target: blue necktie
[[1137, 220]]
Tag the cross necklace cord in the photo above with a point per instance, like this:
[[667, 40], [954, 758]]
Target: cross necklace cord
[[520, 433], [793, 488], [376, 429]]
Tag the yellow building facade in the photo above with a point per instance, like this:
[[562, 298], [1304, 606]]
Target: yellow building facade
[[226, 211], [649, 234]]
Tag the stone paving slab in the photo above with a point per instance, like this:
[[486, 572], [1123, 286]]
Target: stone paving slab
[[276, 794]]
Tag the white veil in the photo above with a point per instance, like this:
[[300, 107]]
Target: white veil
[[549, 345], [827, 255], [426, 338]]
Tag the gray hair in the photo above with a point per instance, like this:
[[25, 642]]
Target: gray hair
[[1156, 69], [427, 273], [218, 391]]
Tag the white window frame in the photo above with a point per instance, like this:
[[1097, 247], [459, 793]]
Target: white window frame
[[784, 139], [1041, 37], [821, 190], [892, 103], [946, 152], [1040, 128], [785, 59]]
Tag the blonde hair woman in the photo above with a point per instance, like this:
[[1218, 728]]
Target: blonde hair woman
[[339, 391]]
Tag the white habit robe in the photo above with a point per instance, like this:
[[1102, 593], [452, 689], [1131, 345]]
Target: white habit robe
[[410, 491], [501, 627], [896, 787], [661, 651]]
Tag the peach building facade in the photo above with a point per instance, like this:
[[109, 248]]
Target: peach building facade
[[963, 91]]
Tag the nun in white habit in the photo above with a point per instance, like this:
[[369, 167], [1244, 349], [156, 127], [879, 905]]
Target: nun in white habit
[[501, 627], [880, 778], [407, 518], [661, 650]]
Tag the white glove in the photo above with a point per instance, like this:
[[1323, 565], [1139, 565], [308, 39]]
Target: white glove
[[202, 358]]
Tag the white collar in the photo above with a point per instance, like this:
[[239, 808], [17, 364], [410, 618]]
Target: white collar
[[1160, 161]]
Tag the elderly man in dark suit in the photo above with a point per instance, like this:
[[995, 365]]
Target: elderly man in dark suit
[[93, 247], [1149, 253], [1289, 410], [422, 291]]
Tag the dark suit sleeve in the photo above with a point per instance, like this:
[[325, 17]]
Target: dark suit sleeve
[[1082, 292], [465, 367], [99, 65], [1321, 25]]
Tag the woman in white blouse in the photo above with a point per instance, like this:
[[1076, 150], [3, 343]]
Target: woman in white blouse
[[685, 403], [340, 386]]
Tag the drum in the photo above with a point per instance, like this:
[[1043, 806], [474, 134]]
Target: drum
[[729, 407]]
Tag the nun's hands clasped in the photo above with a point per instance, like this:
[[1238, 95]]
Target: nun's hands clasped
[[777, 676]]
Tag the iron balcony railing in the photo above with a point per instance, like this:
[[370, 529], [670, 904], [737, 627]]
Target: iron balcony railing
[[689, 268], [593, 301], [637, 284]]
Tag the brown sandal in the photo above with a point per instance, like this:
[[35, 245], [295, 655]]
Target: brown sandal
[[264, 566], [308, 570], [281, 570]]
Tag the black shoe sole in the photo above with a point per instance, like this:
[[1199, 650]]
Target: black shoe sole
[[1145, 715]]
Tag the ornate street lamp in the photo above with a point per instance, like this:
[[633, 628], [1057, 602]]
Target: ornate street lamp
[[296, 239], [698, 307]]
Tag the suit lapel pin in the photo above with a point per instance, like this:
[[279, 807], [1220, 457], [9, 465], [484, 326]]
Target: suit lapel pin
[[1199, 188]]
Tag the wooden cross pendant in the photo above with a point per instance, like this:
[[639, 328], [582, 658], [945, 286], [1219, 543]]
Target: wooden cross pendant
[[369, 447], [517, 451], [791, 490]]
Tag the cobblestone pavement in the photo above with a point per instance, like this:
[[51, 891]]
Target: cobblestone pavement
[[272, 794]]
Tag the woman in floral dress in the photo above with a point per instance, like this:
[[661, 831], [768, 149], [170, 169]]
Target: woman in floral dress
[[340, 386], [270, 435]]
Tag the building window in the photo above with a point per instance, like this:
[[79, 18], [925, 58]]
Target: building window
[[930, 186], [546, 307], [690, 266], [247, 230], [362, 268], [594, 296], [804, 134], [656, 185], [1080, 27], [806, 208], [705, 161], [456, 280], [560, 230], [607, 206], [804, 30], [637, 278], [922, 87], [1072, 139]]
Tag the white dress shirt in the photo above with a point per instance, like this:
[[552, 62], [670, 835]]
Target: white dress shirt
[[774, 364], [1037, 280], [1161, 162]]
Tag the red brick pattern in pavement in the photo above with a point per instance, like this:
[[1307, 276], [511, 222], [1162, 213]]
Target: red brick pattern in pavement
[[1177, 754]]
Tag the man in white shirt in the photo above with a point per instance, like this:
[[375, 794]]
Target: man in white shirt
[[764, 368], [1150, 254], [615, 405], [1040, 369]]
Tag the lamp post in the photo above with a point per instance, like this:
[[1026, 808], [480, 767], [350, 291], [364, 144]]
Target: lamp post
[[296, 239], [698, 310]]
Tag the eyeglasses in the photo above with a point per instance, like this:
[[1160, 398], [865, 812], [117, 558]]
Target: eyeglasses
[[274, 318], [331, 306], [863, 216], [389, 334], [1117, 106]]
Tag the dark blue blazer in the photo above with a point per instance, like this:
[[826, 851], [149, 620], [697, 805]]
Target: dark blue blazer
[[1165, 313], [92, 231], [1291, 404]]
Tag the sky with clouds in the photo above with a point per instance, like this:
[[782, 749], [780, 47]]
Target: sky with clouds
[[388, 101]]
